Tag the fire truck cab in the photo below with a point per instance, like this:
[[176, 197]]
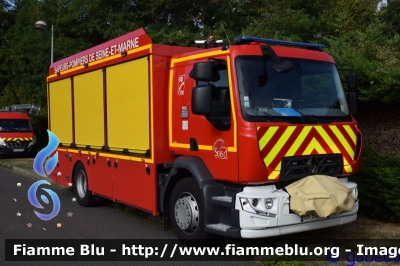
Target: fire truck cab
[[17, 137]]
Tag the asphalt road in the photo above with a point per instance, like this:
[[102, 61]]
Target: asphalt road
[[100, 222]]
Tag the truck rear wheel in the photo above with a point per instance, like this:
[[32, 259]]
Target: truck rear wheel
[[83, 194], [187, 212]]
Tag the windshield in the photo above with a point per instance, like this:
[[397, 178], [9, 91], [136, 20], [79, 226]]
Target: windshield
[[15, 125], [310, 89]]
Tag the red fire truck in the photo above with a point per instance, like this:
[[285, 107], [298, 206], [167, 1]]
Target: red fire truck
[[17, 137], [207, 138]]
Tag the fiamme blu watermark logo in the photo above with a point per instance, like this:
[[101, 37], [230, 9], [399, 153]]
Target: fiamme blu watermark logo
[[44, 169]]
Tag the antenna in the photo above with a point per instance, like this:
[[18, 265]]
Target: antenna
[[226, 34]]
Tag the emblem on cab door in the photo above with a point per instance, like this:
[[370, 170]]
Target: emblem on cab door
[[221, 152], [181, 85]]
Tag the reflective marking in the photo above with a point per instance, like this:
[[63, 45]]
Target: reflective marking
[[314, 144], [278, 146], [347, 166], [298, 141], [342, 140], [180, 145], [327, 139], [205, 147], [274, 175], [267, 137], [351, 133]]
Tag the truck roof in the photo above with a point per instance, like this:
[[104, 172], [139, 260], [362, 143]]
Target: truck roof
[[13, 115], [134, 42], [138, 43], [254, 49]]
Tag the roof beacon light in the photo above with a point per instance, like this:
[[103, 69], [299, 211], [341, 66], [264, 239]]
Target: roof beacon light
[[211, 42], [28, 108], [249, 39]]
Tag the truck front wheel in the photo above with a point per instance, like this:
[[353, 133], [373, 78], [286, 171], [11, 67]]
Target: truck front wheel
[[83, 194], [187, 212]]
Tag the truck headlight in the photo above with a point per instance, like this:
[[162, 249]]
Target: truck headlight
[[33, 141], [246, 206], [2, 143], [269, 203], [254, 202]]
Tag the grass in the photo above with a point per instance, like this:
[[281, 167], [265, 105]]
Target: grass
[[24, 163]]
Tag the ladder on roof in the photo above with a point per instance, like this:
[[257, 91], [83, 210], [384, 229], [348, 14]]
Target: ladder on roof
[[28, 108]]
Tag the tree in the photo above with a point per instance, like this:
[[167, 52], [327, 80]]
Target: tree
[[390, 14], [375, 59], [356, 33], [346, 16]]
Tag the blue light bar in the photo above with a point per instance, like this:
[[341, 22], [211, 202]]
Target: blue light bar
[[248, 39]]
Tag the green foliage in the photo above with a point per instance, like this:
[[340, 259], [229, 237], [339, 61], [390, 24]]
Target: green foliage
[[379, 185], [358, 36], [39, 123], [375, 59], [343, 16], [285, 19], [391, 15]]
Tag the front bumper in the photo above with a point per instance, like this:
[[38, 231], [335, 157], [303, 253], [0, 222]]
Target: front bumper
[[18, 151], [280, 220]]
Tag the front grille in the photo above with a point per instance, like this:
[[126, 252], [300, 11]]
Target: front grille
[[16, 145], [299, 167]]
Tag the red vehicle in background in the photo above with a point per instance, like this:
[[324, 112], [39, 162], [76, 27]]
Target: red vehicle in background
[[17, 136]]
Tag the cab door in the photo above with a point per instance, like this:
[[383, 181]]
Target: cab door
[[213, 137]]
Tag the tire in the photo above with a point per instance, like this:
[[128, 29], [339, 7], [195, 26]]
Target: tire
[[83, 194], [187, 212]]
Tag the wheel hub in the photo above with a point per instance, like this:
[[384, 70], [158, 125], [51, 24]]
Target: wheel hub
[[187, 213]]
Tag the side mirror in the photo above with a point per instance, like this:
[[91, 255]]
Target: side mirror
[[351, 80], [203, 71], [352, 99], [201, 100]]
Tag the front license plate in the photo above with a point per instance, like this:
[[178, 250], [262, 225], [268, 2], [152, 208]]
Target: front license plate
[[309, 217], [18, 150]]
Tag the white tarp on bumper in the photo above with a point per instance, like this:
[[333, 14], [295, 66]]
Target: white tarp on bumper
[[324, 195]]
